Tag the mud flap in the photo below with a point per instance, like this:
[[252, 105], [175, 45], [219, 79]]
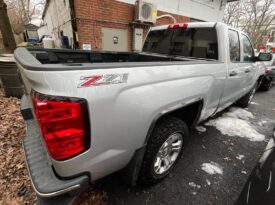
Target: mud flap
[[131, 172]]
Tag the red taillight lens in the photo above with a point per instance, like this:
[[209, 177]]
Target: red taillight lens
[[176, 26], [268, 70], [64, 124]]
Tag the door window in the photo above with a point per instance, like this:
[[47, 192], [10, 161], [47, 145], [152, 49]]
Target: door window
[[234, 46], [248, 53]]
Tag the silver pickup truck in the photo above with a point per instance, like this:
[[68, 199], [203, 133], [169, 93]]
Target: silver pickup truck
[[90, 114]]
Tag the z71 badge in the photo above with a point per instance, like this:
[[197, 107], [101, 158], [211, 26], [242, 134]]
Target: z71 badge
[[107, 79]]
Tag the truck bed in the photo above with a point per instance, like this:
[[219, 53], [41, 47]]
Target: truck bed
[[65, 59]]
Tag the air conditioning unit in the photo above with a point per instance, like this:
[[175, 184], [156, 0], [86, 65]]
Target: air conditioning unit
[[145, 11]]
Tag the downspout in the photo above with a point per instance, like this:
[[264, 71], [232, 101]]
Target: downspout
[[73, 22]]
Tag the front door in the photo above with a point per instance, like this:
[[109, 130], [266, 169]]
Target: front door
[[248, 67], [235, 77]]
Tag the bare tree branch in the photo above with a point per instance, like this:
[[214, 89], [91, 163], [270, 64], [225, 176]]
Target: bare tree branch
[[22, 11], [255, 17]]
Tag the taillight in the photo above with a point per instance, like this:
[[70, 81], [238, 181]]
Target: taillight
[[64, 124], [267, 70]]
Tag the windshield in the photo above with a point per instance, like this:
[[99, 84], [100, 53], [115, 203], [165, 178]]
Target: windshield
[[186, 42]]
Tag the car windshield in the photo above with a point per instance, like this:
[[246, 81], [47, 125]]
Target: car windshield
[[186, 42]]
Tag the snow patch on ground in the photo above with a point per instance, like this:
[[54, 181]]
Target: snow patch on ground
[[208, 182], [262, 123], [212, 168], [192, 184], [239, 113], [244, 172], [239, 156], [254, 103], [235, 123], [200, 129]]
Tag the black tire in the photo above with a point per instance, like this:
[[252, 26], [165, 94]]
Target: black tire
[[247, 99], [266, 87], [162, 131]]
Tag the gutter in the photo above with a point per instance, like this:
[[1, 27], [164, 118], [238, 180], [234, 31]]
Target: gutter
[[74, 25]]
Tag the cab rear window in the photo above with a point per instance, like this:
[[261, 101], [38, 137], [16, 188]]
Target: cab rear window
[[186, 42]]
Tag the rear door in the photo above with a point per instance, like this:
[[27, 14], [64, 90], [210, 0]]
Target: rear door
[[234, 78], [248, 67]]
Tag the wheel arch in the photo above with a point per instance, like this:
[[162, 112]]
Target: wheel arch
[[189, 113], [131, 172]]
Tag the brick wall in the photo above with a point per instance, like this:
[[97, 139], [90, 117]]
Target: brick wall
[[92, 15], [165, 20]]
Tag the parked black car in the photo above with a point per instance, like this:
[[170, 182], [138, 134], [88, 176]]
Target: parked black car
[[260, 186], [269, 77]]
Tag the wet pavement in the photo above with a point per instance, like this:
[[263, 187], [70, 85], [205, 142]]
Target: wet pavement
[[188, 183]]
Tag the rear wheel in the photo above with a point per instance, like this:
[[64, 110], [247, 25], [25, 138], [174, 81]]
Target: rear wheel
[[163, 150], [247, 99]]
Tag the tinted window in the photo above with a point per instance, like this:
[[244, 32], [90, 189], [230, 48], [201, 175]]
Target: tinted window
[[247, 49], [234, 46], [158, 41], [188, 42]]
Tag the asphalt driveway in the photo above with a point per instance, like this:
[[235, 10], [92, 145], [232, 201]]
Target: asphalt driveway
[[188, 183]]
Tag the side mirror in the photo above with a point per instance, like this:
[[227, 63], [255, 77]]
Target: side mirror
[[264, 57]]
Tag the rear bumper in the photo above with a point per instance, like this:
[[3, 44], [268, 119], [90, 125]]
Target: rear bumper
[[45, 182]]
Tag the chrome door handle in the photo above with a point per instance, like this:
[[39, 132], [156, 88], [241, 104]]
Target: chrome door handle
[[247, 71], [233, 73]]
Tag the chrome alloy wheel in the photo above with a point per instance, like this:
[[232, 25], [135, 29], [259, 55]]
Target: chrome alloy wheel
[[168, 153]]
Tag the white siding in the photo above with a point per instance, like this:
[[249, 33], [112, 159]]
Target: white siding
[[43, 30], [206, 10], [57, 18]]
